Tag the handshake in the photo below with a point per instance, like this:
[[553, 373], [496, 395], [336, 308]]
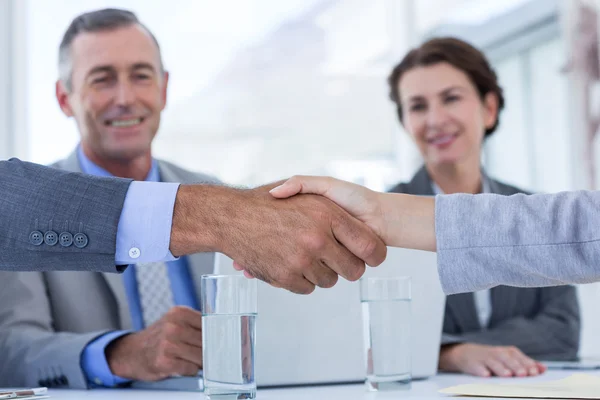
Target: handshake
[[302, 233]]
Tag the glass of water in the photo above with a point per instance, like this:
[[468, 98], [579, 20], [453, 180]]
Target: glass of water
[[228, 305], [386, 330]]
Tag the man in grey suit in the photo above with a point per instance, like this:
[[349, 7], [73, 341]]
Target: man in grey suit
[[91, 329], [88, 329], [543, 323], [57, 327]]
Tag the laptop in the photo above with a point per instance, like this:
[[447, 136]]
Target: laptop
[[580, 364], [317, 339]]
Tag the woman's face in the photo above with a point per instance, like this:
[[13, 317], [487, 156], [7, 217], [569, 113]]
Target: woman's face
[[444, 113]]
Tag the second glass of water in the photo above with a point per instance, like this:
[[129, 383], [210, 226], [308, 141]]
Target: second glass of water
[[228, 305], [386, 331]]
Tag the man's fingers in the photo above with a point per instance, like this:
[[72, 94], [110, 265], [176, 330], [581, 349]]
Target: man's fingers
[[342, 262], [301, 287], [186, 352], [237, 266], [359, 239], [189, 336], [298, 285], [185, 316], [186, 368], [321, 275]]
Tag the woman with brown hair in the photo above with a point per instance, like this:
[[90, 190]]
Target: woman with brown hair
[[448, 100]]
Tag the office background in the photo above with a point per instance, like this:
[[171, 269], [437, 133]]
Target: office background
[[264, 89]]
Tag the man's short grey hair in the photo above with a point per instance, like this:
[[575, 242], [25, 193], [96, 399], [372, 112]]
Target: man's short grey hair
[[95, 21]]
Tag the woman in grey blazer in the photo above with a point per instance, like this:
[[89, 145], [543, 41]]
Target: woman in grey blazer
[[448, 100]]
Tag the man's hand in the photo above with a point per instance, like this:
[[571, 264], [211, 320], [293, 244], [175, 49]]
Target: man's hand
[[169, 347], [485, 361], [359, 201], [296, 243]]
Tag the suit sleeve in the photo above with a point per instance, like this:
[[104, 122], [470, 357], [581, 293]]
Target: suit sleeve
[[522, 240], [36, 201]]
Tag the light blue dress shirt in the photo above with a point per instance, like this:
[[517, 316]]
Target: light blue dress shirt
[[149, 245]]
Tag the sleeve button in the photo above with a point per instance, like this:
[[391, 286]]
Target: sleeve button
[[50, 238], [36, 238], [65, 239], [80, 240], [134, 252]]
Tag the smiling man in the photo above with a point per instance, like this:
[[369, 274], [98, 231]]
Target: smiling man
[[95, 329]]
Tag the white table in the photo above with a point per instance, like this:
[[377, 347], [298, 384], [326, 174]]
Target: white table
[[426, 389]]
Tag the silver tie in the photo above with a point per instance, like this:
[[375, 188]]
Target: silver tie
[[154, 288]]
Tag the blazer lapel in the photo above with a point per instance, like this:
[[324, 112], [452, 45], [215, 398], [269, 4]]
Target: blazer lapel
[[420, 184], [462, 307], [115, 283], [504, 301]]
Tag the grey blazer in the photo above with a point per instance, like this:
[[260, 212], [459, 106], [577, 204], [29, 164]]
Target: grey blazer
[[47, 319], [526, 240], [32, 198], [544, 323]]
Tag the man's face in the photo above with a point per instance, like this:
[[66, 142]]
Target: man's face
[[118, 91]]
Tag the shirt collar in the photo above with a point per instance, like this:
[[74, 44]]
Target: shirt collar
[[89, 167], [485, 185]]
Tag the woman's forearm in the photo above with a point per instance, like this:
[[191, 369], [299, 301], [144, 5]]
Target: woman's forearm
[[408, 221]]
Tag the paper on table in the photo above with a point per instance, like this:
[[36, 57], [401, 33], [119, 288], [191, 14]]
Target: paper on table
[[30, 397], [578, 386]]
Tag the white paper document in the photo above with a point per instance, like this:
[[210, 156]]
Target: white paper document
[[578, 386]]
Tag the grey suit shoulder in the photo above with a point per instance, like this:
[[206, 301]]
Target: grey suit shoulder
[[172, 173], [420, 184], [169, 172]]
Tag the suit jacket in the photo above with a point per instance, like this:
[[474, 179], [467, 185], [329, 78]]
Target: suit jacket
[[544, 323], [47, 319], [32, 198]]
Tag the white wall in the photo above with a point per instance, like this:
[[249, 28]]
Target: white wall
[[13, 136]]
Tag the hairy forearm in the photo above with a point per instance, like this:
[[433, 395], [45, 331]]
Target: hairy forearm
[[200, 218]]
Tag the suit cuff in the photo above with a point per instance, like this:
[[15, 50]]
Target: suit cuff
[[95, 365], [144, 231]]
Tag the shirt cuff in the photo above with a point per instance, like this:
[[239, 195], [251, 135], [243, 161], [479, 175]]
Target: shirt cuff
[[144, 230], [94, 363]]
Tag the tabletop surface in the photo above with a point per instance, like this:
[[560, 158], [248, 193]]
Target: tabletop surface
[[424, 389]]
